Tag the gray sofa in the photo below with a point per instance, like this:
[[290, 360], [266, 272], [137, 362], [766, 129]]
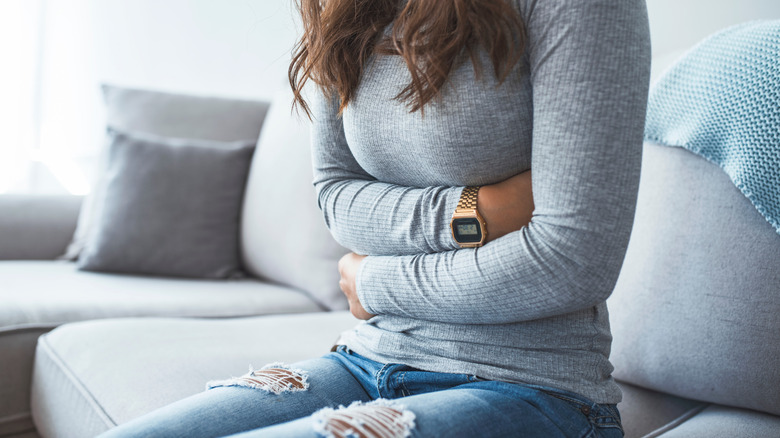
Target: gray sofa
[[694, 312], [39, 290]]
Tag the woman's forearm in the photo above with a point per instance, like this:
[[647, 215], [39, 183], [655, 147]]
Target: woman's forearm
[[506, 206]]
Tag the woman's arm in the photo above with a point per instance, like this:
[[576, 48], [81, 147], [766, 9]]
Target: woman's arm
[[506, 207], [376, 218], [590, 75]]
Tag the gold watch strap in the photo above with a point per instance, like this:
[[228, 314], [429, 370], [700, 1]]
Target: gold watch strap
[[468, 199]]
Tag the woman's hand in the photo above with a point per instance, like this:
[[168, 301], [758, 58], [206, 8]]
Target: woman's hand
[[348, 268], [506, 206]]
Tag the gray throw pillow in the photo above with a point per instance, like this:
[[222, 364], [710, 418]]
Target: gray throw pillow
[[168, 115], [169, 207]]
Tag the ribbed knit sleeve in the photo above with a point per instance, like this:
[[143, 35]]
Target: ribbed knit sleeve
[[367, 216], [589, 67]]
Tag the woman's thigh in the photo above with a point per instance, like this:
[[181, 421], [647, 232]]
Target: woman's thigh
[[483, 409], [274, 394]]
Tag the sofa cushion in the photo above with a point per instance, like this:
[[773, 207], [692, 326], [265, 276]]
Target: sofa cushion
[[36, 227], [723, 422], [169, 207], [695, 310], [182, 115], [93, 375], [169, 115], [53, 293], [17, 345], [37, 296], [645, 413], [284, 237]]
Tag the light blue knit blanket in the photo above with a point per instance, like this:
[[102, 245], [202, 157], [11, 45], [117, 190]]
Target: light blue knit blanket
[[722, 101]]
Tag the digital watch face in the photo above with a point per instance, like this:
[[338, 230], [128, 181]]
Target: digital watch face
[[467, 230]]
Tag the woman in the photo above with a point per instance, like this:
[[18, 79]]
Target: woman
[[498, 326]]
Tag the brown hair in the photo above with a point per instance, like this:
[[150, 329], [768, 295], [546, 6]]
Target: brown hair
[[340, 35]]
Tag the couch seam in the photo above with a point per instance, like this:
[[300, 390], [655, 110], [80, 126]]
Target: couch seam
[[687, 415], [79, 385], [14, 417], [27, 327], [10, 419]]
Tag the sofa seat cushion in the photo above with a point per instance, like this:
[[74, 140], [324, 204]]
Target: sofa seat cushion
[[650, 414], [90, 376], [52, 293], [646, 413], [722, 422], [37, 296]]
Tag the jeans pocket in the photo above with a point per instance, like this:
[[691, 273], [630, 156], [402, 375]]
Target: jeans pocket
[[604, 418]]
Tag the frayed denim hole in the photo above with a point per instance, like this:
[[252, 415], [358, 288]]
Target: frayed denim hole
[[275, 378], [377, 419]]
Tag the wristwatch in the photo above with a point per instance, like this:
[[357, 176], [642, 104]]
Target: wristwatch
[[468, 227]]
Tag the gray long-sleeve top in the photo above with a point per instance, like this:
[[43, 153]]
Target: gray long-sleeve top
[[528, 307]]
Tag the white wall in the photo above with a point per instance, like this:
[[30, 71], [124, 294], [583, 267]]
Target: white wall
[[233, 48], [676, 25], [18, 77], [225, 47]]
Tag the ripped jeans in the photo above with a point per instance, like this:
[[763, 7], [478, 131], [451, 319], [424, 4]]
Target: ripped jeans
[[382, 401]]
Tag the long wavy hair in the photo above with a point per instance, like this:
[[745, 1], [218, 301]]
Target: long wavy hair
[[339, 36]]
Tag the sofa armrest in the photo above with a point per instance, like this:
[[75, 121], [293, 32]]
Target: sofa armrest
[[37, 227]]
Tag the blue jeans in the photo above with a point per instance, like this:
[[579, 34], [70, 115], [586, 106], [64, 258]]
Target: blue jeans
[[386, 400]]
